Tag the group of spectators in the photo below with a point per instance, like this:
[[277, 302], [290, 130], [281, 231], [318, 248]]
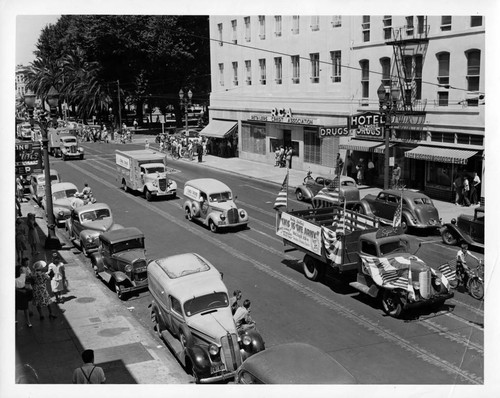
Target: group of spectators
[[241, 312], [466, 192], [283, 157]]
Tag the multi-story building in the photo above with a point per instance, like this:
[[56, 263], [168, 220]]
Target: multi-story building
[[303, 81], [20, 85]]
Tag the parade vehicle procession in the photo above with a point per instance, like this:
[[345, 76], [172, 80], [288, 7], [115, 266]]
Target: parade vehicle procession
[[185, 245]]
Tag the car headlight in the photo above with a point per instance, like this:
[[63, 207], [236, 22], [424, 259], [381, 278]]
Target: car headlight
[[155, 183], [60, 213], [222, 217], [89, 239], [80, 149], [213, 349], [129, 268], [437, 281], [416, 285], [246, 340], [243, 213]]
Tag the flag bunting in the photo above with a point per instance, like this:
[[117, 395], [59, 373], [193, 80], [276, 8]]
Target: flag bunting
[[282, 199]]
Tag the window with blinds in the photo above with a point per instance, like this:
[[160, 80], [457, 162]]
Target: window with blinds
[[312, 146]]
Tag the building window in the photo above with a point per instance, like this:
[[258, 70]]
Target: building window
[[419, 61], [235, 36], [295, 69], [365, 78], [336, 21], [262, 27], [278, 70], [476, 20], [443, 68], [443, 137], [315, 22], [336, 65], [314, 67], [409, 26], [253, 138], [473, 70], [443, 98], [365, 26], [262, 67], [235, 73], [387, 27], [386, 71], [248, 68], [221, 74], [446, 22], [312, 147], [408, 68], [248, 32], [219, 29], [421, 27], [277, 25], [295, 24]]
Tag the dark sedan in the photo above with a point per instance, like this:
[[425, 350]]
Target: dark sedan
[[466, 228]]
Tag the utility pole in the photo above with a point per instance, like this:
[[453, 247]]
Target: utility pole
[[119, 108]]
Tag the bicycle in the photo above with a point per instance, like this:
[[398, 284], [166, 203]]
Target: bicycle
[[472, 279], [187, 153]]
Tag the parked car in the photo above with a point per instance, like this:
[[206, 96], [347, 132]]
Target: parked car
[[121, 260], [312, 186], [37, 185], [69, 148], [293, 363], [466, 228], [63, 195], [191, 312], [418, 209], [87, 223], [210, 202]]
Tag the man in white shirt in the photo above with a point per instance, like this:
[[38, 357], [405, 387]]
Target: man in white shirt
[[88, 373]]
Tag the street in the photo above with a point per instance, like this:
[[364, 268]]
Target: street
[[423, 348]]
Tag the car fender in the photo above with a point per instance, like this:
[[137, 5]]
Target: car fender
[[195, 209], [199, 358], [255, 346], [97, 261], [306, 192], [214, 216], [409, 218], [116, 226], [120, 276], [456, 232], [365, 206], [150, 187]]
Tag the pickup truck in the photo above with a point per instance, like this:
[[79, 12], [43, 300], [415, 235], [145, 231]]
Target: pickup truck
[[344, 240]]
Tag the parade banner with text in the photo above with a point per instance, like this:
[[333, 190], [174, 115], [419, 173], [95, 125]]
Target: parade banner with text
[[303, 233]]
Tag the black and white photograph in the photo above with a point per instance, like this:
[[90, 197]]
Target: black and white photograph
[[215, 194]]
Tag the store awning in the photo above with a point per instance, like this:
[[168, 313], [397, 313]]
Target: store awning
[[445, 155], [381, 148], [219, 128], [360, 145]]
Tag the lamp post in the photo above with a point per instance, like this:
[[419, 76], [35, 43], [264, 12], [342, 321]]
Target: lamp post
[[52, 242], [185, 102], [387, 107]]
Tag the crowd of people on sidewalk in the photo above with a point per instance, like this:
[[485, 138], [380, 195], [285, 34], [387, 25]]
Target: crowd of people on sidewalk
[[283, 157], [466, 193]]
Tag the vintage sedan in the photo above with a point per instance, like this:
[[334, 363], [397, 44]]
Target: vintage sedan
[[191, 312], [87, 223], [69, 148], [467, 228], [418, 209], [293, 363], [121, 260], [37, 184], [311, 186], [210, 202], [63, 195]]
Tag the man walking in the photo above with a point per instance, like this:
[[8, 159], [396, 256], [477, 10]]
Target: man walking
[[476, 181], [88, 373]]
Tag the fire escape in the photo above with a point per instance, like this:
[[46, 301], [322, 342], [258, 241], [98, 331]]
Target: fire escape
[[409, 43]]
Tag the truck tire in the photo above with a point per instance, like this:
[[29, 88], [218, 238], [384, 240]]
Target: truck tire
[[391, 304], [148, 195], [404, 225], [155, 318], [448, 237], [124, 186], [212, 226], [188, 214], [313, 269]]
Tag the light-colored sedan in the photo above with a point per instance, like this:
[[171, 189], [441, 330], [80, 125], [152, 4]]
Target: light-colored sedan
[[37, 186], [63, 195]]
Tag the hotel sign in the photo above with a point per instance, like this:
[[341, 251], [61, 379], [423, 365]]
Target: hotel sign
[[367, 124], [282, 115]]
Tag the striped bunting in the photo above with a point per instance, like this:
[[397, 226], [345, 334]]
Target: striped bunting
[[447, 274], [386, 275], [282, 199], [332, 245]]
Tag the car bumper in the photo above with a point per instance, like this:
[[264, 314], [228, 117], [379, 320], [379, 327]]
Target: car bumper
[[433, 300], [220, 377], [171, 192], [233, 225], [134, 286]]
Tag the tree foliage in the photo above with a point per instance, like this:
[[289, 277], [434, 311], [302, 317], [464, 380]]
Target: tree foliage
[[152, 57]]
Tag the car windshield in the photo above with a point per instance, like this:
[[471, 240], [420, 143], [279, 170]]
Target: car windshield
[[130, 244], [159, 169], [70, 140], [206, 303], [93, 215], [422, 201], [67, 193], [220, 197], [400, 246]]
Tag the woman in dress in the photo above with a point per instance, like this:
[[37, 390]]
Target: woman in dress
[[23, 295], [21, 244], [58, 281], [33, 238], [41, 296]]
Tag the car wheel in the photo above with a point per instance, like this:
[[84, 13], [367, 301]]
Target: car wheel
[[313, 270], [64, 157], [118, 290], [84, 251], [124, 186], [404, 225], [96, 273], [391, 304], [156, 323], [212, 226], [195, 375], [299, 195], [81, 157], [149, 196], [448, 237], [188, 214]]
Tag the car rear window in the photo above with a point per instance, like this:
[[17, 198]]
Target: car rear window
[[422, 201]]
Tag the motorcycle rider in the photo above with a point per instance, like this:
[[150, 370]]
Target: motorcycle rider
[[462, 255], [242, 316]]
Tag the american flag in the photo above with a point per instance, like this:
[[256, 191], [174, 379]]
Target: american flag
[[333, 245], [396, 221], [447, 274], [386, 274], [282, 199]]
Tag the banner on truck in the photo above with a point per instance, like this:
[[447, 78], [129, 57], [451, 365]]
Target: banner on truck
[[300, 232]]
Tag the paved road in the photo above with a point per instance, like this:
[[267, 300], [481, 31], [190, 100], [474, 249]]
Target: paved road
[[446, 349]]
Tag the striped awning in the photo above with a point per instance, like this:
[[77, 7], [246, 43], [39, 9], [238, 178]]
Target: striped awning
[[381, 148], [445, 155], [360, 145], [219, 128]]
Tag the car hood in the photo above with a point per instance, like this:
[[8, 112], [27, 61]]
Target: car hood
[[99, 225], [223, 206], [63, 202], [405, 260], [131, 255], [212, 325]]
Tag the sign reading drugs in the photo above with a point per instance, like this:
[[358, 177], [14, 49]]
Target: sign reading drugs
[[298, 231], [333, 131]]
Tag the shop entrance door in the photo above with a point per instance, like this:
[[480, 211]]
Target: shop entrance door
[[287, 138]]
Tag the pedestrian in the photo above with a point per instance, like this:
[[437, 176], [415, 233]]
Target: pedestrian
[[465, 190], [289, 154], [33, 238], [282, 156], [199, 150], [242, 316], [41, 296], [235, 301], [396, 175], [146, 145], [371, 171], [115, 136], [58, 282], [476, 181], [360, 172], [88, 373], [21, 243], [19, 189], [23, 295], [277, 157], [457, 186], [350, 167], [135, 124], [339, 165], [26, 269]]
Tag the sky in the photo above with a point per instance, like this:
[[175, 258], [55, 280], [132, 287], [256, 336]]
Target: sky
[[28, 29]]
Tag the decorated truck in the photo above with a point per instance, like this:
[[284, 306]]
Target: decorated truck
[[344, 240], [144, 170]]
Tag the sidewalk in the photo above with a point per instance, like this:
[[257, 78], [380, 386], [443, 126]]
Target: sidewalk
[[48, 352]]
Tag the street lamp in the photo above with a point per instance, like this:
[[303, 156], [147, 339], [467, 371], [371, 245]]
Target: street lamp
[[387, 107], [185, 101], [52, 242]]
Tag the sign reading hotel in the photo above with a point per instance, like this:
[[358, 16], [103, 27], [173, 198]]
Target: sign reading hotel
[[367, 124], [282, 115]]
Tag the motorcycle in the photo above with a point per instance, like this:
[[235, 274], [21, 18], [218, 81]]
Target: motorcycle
[[472, 279], [87, 199]]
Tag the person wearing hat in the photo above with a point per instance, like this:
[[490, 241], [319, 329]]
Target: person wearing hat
[[461, 258], [41, 296]]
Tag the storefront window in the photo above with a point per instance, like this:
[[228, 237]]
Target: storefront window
[[253, 138], [439, 173], [312, 147]]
